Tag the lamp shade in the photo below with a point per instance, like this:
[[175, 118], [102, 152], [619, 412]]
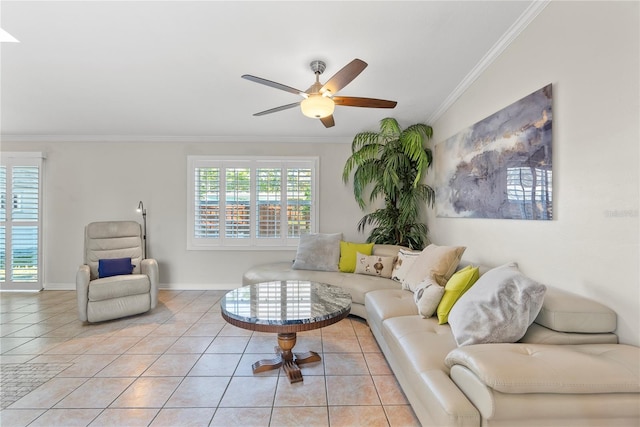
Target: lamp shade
[[317, 106]]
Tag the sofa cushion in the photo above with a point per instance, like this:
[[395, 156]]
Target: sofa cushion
[[358, 285], [118, 286], [437, 262], [349, 252], [318, 251], [387, 250], [387, 303], [498, 308], [419, 344], [546, 409], [538, 334], [374, 265], [99, 311], [457, 285], [567, 312]]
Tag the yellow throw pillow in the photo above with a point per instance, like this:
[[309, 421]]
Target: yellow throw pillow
[[348, 251], [457, 285]]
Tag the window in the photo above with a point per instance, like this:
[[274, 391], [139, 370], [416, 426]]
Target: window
[[20, 221], [252, 202], [529, 192]]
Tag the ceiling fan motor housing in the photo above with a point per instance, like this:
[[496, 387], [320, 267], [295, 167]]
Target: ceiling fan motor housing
[[318, 66]]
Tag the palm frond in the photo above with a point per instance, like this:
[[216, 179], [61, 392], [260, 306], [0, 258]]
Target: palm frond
[[364, 138], [376, 191], [389, 127], [365, 175]]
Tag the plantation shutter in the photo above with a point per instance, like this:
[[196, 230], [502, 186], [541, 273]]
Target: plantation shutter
[[299, 201], [269, 202], [20, 221], [207, 203]]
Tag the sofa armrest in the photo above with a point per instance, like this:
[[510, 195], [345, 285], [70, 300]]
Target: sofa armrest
[[149, 266], [82, 291]]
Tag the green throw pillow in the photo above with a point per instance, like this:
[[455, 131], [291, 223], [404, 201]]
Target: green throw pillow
[[348, 251], [457, 285]]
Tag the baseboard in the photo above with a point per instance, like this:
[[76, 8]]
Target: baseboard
[[59, 286], [198, 286], [167, 286]]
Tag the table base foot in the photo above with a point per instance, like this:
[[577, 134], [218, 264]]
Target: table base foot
[[307, 357], [293, 372], [287, 360], [267, 365]]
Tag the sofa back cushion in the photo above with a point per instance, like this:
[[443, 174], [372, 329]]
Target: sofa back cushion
[[567, 312], [387, 250]]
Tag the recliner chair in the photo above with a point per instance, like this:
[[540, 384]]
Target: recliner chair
[[106, 245]]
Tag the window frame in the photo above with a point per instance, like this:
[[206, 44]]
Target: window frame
[[11, 160], [253, 163]]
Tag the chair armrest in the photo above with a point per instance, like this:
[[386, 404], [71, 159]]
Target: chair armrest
[[149, 267], [82, 291]]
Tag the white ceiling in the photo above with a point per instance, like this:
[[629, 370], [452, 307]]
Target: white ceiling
[[171, 69]]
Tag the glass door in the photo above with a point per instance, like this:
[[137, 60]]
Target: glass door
[[20, 222]]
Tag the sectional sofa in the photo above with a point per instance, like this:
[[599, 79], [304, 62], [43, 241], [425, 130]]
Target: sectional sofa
[[567, 370]]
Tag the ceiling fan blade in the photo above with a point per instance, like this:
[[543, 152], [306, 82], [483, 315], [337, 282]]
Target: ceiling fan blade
[[328, 121], [272, 84], [275, 110], [351, 101], [344, 76]]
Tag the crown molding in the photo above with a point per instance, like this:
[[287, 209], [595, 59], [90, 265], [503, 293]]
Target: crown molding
[[507, 38], [173, 139]]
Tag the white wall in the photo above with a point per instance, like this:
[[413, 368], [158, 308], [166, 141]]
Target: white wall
[[100, 181], [589, 52]]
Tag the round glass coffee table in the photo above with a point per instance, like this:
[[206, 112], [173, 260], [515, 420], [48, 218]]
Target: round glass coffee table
[[286, 307]]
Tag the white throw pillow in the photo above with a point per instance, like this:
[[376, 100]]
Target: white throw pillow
[[436, 262], [498, 308], [404, 262], [318, 251], [427, 297], [374, 265]]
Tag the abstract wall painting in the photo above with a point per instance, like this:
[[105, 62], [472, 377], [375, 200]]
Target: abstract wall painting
[[499, 167]]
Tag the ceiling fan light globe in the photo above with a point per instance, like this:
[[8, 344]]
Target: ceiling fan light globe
[[317, 106]]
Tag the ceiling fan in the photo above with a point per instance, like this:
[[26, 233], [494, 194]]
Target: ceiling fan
[[320, 100]]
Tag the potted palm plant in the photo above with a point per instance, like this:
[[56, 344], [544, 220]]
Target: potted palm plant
[[390, 164]]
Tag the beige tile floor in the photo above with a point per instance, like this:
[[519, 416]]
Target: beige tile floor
[[182, 365]]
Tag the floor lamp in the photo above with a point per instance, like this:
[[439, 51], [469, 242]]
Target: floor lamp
[[143, 211]]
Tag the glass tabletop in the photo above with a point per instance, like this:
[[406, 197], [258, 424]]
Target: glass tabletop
[[286, 302]]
